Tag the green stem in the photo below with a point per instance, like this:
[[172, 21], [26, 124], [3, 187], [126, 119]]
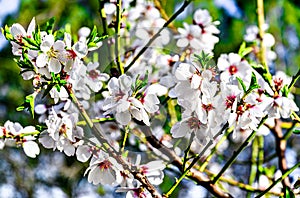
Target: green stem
[[294, 80], [260, 160], [179, 11], [118, 39], [96, 120], [253, 169], [186, 152], [214, 150], [125, 138], [289, 132], [195, 160], [279, 179], [236, 153], [261, 23], [188, 169]]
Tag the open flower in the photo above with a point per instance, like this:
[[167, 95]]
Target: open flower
[[104, 169], [53, 54]]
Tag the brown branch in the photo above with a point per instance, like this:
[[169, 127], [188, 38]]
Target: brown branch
[[280, 150], [194, 174], [97, 132]]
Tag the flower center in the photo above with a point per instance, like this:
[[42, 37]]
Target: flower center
[[207, 107], [194, 123], [233, 69], [190, 37], [229, 101], [104, 165], [93, 74]]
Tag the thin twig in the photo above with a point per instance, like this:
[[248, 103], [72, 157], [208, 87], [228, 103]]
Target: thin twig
[[236, 153], [194, 174], [279, 179], [140, 176], [280, 150], [179, 11], [117, 38]]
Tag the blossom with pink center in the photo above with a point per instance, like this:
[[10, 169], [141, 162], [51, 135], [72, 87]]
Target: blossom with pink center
[[233, 66], [104, 169], [20, 136], [94, 77]]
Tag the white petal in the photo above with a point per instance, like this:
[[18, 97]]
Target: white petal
[[81, 49], [54, 65], [31, 149], [123, 117], [183, 42], [41, 60], [59, 46], [31, 27], [17, 30], [83, 153]]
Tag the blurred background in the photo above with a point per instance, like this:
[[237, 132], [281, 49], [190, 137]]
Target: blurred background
[[53, 175]]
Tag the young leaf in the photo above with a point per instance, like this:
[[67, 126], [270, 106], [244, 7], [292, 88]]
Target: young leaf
[[253, 83], [296, 131], [49, 25], [242, 84], [289, 193], [28, 104], [243, 51]]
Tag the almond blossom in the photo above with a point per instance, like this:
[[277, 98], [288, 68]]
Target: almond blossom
[[20, 136]]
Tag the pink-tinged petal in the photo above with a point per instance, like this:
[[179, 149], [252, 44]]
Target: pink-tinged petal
[[41, 60], [31, 149], [54, 65], [17, 31]]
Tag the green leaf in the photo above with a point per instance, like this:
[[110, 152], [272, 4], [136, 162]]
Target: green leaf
[[263, 72], [296, 131], [28, 104], [297, 183], [49, 87], [242, 84], [285, 90], [31, 42], [289, 193], [49, 25], [243, 51], [37, 35], [253, 83]]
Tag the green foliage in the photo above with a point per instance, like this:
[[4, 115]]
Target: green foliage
[[28, 104], [243, 51]]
